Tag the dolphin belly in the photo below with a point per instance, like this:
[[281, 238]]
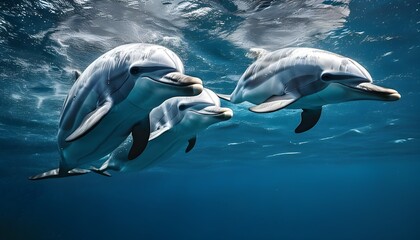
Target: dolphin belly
[[157, 151], [109, 133]]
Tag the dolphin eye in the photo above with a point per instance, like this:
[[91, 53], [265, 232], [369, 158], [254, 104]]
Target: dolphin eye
[[135, 70], [327, 77], [182, 107]]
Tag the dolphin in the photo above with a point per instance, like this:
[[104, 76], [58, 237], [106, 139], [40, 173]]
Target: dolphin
[[307, 79], [113, 98], [174, 125]]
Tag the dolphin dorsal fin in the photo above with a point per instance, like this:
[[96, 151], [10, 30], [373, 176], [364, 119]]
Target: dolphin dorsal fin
[[90, 121], [256, 53], [77, 74], [274, 103]]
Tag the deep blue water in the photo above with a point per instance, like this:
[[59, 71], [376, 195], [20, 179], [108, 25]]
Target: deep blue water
[[356, 175]]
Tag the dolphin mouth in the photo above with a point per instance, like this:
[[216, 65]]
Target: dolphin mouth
[[218, 112], [382, 93], [179, 80]]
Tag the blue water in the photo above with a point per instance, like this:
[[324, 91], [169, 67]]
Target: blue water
[[356, 175]]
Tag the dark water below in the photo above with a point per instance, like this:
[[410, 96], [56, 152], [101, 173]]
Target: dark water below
[[354, 176]]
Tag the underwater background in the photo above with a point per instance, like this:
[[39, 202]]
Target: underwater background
[[355, 175]]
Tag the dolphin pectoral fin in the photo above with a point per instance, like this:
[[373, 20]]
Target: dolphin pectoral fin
[[140, 134], [90, 121], [224, 96], [158, 132], [56, 173], [191, 144], [309, 118], [274, 103]]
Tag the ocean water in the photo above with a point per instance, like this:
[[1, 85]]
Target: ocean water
[[356, 175]]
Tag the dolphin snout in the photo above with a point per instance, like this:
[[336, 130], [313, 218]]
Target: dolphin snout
[[182, 80], [219, 112], [390, 94], [394, 96], [223, 113], [385, 94], [227, 113]]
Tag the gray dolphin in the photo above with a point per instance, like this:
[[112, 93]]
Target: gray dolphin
[[113, 98], [174, 125], [304, 78]]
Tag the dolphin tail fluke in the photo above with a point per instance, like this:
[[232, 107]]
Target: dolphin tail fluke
[[100, 172], [224, 96], [77, 74], [56, 173]]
